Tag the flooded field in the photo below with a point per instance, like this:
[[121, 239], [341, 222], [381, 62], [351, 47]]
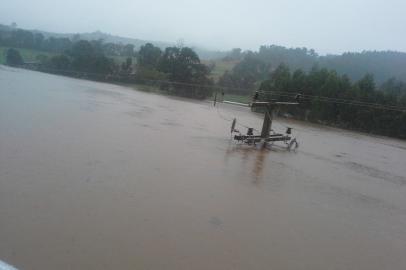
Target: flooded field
[[98, 176]]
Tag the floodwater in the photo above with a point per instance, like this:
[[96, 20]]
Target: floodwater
[[98, 176]]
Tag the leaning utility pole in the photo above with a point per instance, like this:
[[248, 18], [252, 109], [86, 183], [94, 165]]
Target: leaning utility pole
[[266, 136], [269, 107]]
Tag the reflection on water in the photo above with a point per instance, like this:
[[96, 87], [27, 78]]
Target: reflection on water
[[98, 176], [259, 165], [252, 158]]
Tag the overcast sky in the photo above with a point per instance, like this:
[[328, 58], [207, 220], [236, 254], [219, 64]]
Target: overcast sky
[[328, 26]]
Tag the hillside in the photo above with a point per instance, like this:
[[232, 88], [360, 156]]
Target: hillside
[[98, 35], [383, 65], [28, 55], [203, 53]]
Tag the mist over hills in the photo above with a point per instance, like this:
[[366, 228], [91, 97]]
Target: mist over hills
[[381, 64], [96, 35], [106, 37], [99, 35]]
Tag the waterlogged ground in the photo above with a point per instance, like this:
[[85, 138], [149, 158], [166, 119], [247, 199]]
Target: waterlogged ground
[[97, 176]]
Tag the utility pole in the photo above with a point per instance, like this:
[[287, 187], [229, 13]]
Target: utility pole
[[266, 136], [269, 107], [267, 124]]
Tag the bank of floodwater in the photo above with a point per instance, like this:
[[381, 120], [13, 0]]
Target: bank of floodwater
[[168, 88]]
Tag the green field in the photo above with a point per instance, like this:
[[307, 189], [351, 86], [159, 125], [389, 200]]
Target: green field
[[121, 59], [237, 98], [234, 98], [220, 67], [27, 54]]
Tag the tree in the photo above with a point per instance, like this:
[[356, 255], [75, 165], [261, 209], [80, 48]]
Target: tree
[[112, 49], [82, 48], [83, 55], [281, 78], [128, 50], [60, 62], [88, 57], [236, 53], [13, 57], [335, 111], [76, 38], [38, 40], [22, 38], [102, 65], [183, 65], [366, 88], [126, 67], [279, 81], [42, 58], [57, 44], [149, 56], [243, 77]]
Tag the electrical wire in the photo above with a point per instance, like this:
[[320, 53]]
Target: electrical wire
[[232, 119], [336, 100], [304, 97]]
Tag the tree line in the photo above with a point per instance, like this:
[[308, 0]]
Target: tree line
[[278, 69], [255, 65], [283, 85], [19, 38], [179, 71], [177, 64], [382, 64], [176, 70]]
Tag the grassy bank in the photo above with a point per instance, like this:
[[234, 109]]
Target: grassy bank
[[28, 55], [155, 89], [220, 67], [237, 98]]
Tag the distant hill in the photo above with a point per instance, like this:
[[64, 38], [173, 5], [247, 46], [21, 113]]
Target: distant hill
[[96, 35], [203, 53], [383, 65], [106, 38]]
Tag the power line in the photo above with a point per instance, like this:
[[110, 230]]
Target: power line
[[231, 119], [216, 87], [337, 101]]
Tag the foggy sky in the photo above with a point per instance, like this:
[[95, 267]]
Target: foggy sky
[[333, 26]]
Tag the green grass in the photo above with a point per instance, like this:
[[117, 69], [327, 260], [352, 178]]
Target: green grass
[[220, 68], [236, 98], [27, 54], [121, 59], [145, 88]]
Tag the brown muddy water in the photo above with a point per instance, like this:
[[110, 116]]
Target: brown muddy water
[[98, 176]]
